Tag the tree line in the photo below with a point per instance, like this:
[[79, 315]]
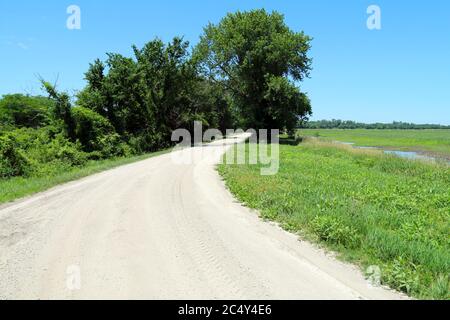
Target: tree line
[[347, 124], [244, 72]]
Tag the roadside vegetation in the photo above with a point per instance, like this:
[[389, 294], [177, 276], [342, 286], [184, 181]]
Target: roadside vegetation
[[431, 141], [243, 73], [372, 209]]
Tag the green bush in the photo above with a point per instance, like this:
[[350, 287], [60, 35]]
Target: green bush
[[13, 162], [97, 136], [147, 142], [63, 150], [31, 152], [46, 147], [90, 128], [111, 145], [17, 110]]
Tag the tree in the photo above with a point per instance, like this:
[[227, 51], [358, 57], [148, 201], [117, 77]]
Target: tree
[[169, 80], [259, 60], [62, 108], [91, 128], [215, 104], [148, 96]]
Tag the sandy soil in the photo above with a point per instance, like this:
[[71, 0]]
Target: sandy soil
[[158, 229]]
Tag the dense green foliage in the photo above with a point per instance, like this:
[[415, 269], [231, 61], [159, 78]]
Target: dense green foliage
[[97, 135], [347, 124], [131, 105], [373, 209], [146, 97], [17, 111], [435, 141], [38, 152], [258, 59], [42, 136]]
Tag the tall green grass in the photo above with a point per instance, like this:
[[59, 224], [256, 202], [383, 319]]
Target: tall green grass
[[371, 208]]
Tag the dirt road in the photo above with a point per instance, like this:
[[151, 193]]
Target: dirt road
[[155, 230]]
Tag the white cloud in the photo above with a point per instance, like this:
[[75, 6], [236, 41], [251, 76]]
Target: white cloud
[[12, 41], [22, 45]]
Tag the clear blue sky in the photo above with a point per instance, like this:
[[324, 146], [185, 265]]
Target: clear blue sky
[[401, 72]]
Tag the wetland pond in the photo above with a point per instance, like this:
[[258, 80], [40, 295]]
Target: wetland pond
[[412, 155]]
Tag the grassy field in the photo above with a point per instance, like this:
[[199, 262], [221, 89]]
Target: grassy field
[[435, 142], [371, 208], [18, 187]]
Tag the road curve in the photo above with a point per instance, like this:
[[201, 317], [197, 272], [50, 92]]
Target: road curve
[[158, 229]]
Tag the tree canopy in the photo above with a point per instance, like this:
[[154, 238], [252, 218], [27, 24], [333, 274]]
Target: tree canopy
[[260, 61]]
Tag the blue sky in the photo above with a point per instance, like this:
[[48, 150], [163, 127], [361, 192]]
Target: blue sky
[[401, 72]]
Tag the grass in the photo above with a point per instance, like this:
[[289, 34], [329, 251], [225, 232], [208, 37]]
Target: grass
[[18, 187], [371, 208], [436, 142]]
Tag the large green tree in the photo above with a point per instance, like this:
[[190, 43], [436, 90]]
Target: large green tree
[[169, 80], [260, 61], [148, 96]]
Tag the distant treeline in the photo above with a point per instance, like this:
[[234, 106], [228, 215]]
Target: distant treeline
[[348, 124]]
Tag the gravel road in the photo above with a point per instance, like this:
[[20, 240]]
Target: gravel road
[[157, 229]]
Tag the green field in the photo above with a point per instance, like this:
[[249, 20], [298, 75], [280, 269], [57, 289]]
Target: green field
[[18, 187], [371, 208], [435, 142]]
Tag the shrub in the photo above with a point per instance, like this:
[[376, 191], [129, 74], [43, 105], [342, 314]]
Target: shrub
[[147, 142], [17, 110], [13, 162], [30, 152], [97, 136], [61, 149], [90, 128], [111, 145]]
